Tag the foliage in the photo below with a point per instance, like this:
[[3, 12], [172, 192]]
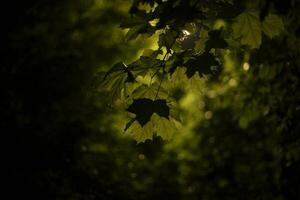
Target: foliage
[[180, 25], [212, 104], [244, 57]]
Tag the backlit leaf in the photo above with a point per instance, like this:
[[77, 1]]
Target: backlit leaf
[[247, 28], [139, 133], [164, 127], [150, 92]]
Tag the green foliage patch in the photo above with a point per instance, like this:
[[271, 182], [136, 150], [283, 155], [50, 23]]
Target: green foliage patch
[[188, 38]]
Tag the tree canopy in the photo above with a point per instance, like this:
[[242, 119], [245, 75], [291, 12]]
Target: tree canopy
[[201, 42]]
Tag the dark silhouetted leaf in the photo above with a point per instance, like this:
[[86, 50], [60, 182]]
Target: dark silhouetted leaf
[[145, 108], [215, 40], [203, 64], [228, 10], [177, 60], [264, 10]]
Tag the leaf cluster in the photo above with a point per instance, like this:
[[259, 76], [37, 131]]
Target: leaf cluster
[[194, 35]]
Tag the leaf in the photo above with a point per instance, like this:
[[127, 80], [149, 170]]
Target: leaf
[[152, 53], [200, 43], [115, 79], [114, 84], [115, 68], [247, 28], [203, 64], [227, 10], [215, 40], [150, 63], [135, 31], [179, 82], [150, 92], [139, 133], [132, 22], [177, 60], [164, 127], [121, 67], [167, 39], [272, 25], [145, 108], [264, 10], [144, 65], [157, 125]]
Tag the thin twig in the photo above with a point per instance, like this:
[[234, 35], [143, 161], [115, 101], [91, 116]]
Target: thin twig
[[164, 59], [164, 62]]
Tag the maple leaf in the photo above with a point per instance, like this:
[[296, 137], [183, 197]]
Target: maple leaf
[[247, 28], [145, 108]]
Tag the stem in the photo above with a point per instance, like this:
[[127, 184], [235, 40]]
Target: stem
[[165, 57]]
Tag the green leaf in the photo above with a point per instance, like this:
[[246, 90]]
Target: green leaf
[[167, 39], [121, 67], [150, 63], [115, 79], [247, 28], [164, 127], [144, 65], [178, 82], [132, 22], [139, 133], [152, 53], [115, 68], [145, 108], [114, 84], [272, 25], [150, 92], [135, 31]]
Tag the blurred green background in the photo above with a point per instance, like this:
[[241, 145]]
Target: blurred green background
[[60, 141]]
